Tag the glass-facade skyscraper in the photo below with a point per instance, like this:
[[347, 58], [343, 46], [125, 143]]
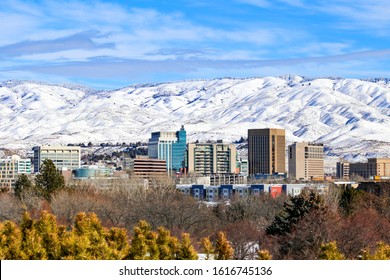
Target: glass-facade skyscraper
[[170, 146]]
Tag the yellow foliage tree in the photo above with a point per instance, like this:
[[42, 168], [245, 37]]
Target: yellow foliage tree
[[167, 244], [329, 251], [382, 252], [88, 240], [186, 250], [44, 239], [207, 247], [10, 242], [223, 250], [264, 255]]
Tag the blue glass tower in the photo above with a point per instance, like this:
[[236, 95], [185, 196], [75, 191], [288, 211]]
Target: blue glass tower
[[170, 146]]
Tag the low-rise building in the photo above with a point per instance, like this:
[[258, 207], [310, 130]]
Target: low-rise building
[[63, 157], [147, 168], [227, 191], [373, 168], [11, 168]]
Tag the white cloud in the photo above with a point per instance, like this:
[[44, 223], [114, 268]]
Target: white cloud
[[257, 3]]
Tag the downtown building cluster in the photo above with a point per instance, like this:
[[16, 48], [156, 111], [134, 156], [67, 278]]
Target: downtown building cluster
[[210, 164]]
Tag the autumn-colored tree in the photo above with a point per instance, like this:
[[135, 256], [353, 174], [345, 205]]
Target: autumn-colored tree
[[222, 249], [382, 252], [150, 245], [207, 247], [168, 245], [10, 242], [45, 239], [186, 250], [264, 255], [329, 251], [143, 243]]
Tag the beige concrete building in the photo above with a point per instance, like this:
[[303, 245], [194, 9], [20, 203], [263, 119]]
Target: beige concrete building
[[10, 169], [266, 151], [63, 157], [342, 170], [379, 167], [211, 158], [374, 167], [306, 161]]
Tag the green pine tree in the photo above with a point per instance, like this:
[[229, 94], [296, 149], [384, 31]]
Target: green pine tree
[[22, 184], [49, 180], [293, 211]]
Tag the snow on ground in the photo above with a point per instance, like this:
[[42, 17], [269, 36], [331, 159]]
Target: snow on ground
[[351, 117]]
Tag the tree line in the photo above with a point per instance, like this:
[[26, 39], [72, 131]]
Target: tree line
[[160, 221]]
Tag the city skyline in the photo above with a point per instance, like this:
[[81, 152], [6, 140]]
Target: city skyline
[[110, 44]]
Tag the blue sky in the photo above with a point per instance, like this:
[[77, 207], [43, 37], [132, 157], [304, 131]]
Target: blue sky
[[110, 44]]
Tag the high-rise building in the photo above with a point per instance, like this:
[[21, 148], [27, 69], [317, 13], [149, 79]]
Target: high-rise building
[[306, 161], [170, 146], [63, 157], [266, 151], [212, 158]]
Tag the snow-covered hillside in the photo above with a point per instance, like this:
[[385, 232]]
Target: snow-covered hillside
[[349, 116]]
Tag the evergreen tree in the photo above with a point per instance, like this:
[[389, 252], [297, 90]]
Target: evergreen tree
[[153, 249], [49, 180], [207, 247], [293, 211], [139, 244], [186, 250], [22, 184], [223, 250], [118, 243], [167, 244], [10, 242], [348, 199], [31, 240], [46, 227]]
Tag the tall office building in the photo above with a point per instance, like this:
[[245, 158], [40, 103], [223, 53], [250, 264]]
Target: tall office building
[[211, 158], [170, 146], [63, 157], [306, 161], [266, 151]]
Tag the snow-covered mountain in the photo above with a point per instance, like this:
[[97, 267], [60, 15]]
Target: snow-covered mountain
[[350, 116]]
